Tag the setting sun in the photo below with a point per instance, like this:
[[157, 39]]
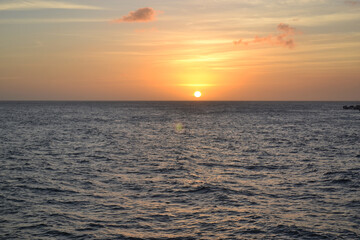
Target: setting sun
[[197, 94], [165, 101]]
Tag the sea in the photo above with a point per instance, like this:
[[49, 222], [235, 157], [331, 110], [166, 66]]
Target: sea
[[179, 170]]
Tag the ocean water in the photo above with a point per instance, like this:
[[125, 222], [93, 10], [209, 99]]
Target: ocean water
[[179, 170]]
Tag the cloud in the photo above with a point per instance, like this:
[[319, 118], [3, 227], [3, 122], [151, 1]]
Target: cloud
[[51, 20], [146, 30], [286, 28], [146, 14], [39, 4], [352, 2], [284, 37]]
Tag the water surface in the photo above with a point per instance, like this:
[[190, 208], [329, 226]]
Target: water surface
[[186, 170]]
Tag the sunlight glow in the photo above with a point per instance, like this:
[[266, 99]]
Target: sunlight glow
[[197, 94], [197, 85]]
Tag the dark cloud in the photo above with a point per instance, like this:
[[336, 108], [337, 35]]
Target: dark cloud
[[284, 37], [286, 28], [146, 14]]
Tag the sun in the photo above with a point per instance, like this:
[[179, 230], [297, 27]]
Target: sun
[[197, 94]]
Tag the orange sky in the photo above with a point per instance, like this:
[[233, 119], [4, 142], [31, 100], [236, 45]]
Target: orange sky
[[166, 50]]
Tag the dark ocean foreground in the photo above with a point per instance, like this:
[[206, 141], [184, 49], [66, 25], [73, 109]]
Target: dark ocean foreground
[[185, 170]]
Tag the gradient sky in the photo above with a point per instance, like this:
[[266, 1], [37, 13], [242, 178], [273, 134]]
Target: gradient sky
[[167, 49]]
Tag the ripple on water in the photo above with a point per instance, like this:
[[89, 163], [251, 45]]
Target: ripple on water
[[124, 170]]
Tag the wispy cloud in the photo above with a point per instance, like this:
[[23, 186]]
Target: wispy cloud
[[196, 85], [146, 14], [284, 37], [51, 20], [39, 4], [146, 30], [352, 2]]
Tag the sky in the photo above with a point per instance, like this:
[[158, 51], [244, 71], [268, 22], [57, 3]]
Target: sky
[[236, 50]]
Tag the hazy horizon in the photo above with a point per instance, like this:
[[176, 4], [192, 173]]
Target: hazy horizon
[[196, 100]]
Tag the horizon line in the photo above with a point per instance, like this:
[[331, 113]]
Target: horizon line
[[179, 100]]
